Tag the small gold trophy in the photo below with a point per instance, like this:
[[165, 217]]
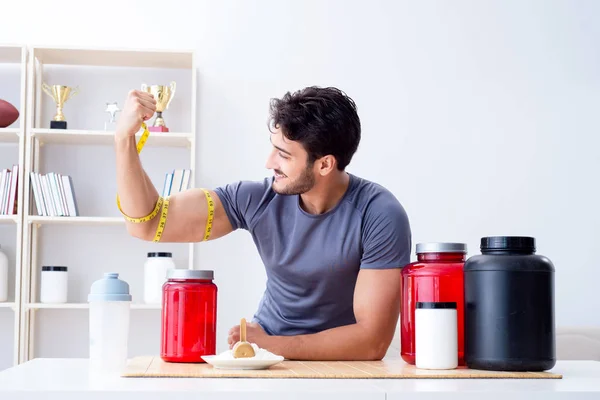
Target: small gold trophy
[[60, 94], [163, 96], [113, 109]]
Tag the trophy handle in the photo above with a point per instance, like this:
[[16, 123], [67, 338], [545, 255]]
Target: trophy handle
[[172, 94], [144, 87], [73, 92], [46, 88]]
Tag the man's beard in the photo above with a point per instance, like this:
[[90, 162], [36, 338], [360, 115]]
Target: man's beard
[[301, 185]]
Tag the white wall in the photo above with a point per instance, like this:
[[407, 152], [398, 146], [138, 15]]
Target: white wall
[[482, 117]]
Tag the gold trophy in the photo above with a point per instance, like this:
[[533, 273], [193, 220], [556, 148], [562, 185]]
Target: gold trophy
[[163, 96], [60, 94]]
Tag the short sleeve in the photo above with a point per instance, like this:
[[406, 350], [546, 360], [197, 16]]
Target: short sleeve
[[386, 239], [243, 200]]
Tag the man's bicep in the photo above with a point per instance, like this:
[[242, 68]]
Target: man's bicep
[[377, 300], [386, 249], [188, 216]]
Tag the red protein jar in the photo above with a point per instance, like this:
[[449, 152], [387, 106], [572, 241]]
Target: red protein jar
[[189, 316], [436, 276]]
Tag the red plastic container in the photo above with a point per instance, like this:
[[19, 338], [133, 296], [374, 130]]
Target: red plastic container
[[189, 316], [438, 276]]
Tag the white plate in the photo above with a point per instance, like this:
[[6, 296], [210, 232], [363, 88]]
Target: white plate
[[242, 363]]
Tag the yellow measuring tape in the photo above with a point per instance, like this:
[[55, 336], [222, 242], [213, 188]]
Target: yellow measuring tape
[[211, 214], [164, 203]]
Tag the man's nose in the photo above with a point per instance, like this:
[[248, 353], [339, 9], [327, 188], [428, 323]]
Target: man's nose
[[270, 164]]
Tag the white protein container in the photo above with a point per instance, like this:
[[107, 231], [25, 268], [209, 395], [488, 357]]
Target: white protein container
[[53, 287], [155, 275], [436, 335], [3, 277], [110, 304]]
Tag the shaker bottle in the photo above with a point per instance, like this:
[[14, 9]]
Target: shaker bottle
[[110, 302]]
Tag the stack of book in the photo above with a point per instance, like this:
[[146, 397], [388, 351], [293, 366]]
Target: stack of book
[[8, 190], [176, 181], [54, 195]]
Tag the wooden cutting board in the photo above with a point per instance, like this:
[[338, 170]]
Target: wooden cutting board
[[153, 367]]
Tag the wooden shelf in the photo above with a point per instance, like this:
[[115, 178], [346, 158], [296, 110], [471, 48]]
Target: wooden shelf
[[9, 135], [142, 306], [71, 306], [34, 219], [7, 305], [115, 57], [91, 137], [9, 219], [75, 306], [10, 54]]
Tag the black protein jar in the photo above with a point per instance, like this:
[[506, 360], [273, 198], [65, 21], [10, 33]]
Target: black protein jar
[[509, 307]]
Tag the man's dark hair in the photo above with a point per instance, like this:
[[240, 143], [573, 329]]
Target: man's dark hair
[[323, 120]]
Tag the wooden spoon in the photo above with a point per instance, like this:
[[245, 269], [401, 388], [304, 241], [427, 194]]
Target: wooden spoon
[[243, 349]]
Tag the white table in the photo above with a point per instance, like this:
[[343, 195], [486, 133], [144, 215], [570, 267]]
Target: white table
[[67, 379]]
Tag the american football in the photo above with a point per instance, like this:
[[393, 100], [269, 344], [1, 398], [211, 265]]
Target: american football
[[8, 114]]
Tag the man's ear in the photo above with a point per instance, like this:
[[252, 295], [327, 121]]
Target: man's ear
[[326, 165]]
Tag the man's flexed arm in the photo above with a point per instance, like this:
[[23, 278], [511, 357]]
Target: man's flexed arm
[[188, 210]]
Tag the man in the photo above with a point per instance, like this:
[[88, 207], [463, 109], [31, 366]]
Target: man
[[332, 243]]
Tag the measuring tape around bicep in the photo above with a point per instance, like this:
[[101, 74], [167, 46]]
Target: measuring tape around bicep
[[163, 203]]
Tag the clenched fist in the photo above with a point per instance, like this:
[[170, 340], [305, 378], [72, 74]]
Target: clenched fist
[[139, 107]]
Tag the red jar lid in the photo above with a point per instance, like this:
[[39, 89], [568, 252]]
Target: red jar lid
[[441, 248], [189, 274]]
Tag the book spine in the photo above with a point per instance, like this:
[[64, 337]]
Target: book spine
[[12, 199]]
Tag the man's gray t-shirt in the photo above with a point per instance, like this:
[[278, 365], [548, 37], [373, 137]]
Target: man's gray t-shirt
[[312, 261]]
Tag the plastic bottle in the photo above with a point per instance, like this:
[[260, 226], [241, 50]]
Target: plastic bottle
[[155, 275], [509, 297], [189, 319], [436, 276], [110, 304], [54, 284], [3, 277], [436, 335]]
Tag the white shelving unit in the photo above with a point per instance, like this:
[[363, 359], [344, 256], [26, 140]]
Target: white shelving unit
[[38, 221], [44, 136], [9, 219], [123, 67], [37, 306], [13, 59], [10, 135]]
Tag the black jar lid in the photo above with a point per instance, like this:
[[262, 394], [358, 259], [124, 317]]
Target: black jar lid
[[160, 254], [54, 268], [508, 243], [440, 305]]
